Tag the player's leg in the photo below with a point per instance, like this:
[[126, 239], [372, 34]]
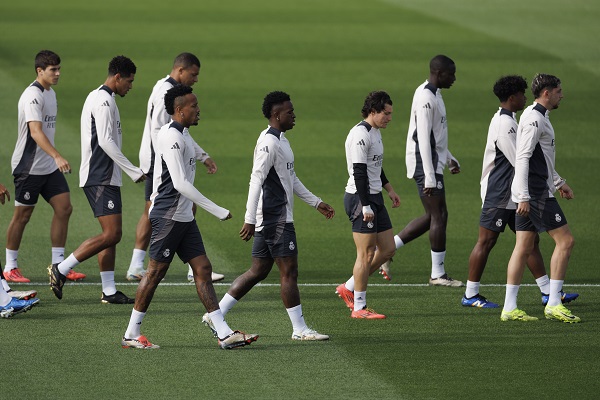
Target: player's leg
[[61, 205], [259, 270], [143, 231], [385, 249], [14, 235], [215, 276], [477, 261]]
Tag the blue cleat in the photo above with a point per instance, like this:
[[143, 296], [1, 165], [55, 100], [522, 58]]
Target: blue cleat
[[478, 301], [20, 306], [6, 311], [565, 297]]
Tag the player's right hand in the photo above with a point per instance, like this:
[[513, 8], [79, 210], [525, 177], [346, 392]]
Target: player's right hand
[[4, 192], [368, 214], [247, 232]]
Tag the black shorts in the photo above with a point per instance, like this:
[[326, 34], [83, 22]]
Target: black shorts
[[496, 219], [104, 200], [29, 187], [438, 190], [170, 237], [544, 215], [275, 241], [381, 222], [148, 186]]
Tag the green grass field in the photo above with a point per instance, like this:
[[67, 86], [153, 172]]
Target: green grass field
[[328, 55]]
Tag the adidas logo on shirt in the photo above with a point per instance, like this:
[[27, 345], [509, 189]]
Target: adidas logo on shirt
[[361, 143], [34, 102], [175, 146], [512, 130], [105, 104], [427, 106], [534, 123], [265, 149]]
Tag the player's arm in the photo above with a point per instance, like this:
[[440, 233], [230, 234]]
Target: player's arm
[[359, 153], [424, 123], [505, 142], [385, 183], [4, 192], [453, 164], [204, 158], [264, 159], [527, 138], [309, 198], [40, 138]]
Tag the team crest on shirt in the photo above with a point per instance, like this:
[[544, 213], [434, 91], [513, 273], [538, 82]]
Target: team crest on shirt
[[440, 185], [557, 217], [110, 205], [292, 246], [499, 222], [166, 253], [27, 196], [370, 225]]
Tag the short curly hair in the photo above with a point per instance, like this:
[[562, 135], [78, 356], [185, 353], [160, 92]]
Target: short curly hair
[[174, 97], [375, 101], [45, 58], [271, 100], [543, 81], [508, 86], [121, 65]]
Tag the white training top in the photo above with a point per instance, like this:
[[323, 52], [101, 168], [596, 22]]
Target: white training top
[[35, 104], [273, 182], [101, 142], [427, 141], [364, 146], [498, 161], [535, 176], [174, 173], [156, 118]]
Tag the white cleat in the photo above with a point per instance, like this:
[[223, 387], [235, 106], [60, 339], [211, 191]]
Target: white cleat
[[309, 334]]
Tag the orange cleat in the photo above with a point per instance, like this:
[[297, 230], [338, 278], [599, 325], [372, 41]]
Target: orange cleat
[[14, 275]]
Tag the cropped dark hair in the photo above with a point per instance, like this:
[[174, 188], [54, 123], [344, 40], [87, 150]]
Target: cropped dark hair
[[509, 85], [375, 101], [121, 65], [186, 60], [45, 58], [440, 63], [273, 99], [543, 81], [174, 95]]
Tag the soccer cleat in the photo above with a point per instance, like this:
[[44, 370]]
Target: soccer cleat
[[564, 297], [385, 270], [57, 280], [445, 280], [20, 306], [6, 311], [14, 275], [135, 274], [561, 313], [516, 315], [75, 276], [237, 339], [478, 301], [309, 334], [22, 294], [366, 313], [140, 343], [208, 322], [117, 298], [214, 277], [345, 295]]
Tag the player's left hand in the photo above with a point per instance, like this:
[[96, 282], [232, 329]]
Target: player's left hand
[[395, 199], [210, 165], [4, 192], [566, 192], [326, 210], [247, 232], [454, 167]]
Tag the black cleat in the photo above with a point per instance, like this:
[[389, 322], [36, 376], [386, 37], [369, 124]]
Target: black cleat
[[117, 298], [57, 280]]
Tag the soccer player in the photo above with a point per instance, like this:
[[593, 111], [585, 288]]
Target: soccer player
[[186, 68], [174, 229], [38, 168], [10, 304], [100, 178], [364, 204], [532, 188], [270, 219], [498, 209], [427, 154]]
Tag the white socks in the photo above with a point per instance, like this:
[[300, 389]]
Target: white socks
[[437, 264], [67, 265], [398, 241], [135, 325], [510, 300], [58, 255], [5, 285], [108, 282], [543, 283], [350, 284], [472, 289], [297, 318], [11, 260], [227, 303], [223, 330], [137, 260], [555, 297], [360, 300]]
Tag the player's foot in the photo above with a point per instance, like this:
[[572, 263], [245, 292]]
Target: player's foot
[[345, 295], [57, 280], [516, 315], [14, 275], [20, 306], [140, 343], [478, 301], [564, 297], [75, 276], [561, 313], [208, 322], [366, 313], [309, 334], [237, 339], [385, 270], [22, 294], [215, 277], [6, 311], [445, 280], [117, 298], [135, 274]]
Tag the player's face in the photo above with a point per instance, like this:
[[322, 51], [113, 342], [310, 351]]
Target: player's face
[[447, 77], [123, 84], [189, 75], [382, 119], [49, 76], [554, 97], [287, 118], [520, 100], [190, 110]]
